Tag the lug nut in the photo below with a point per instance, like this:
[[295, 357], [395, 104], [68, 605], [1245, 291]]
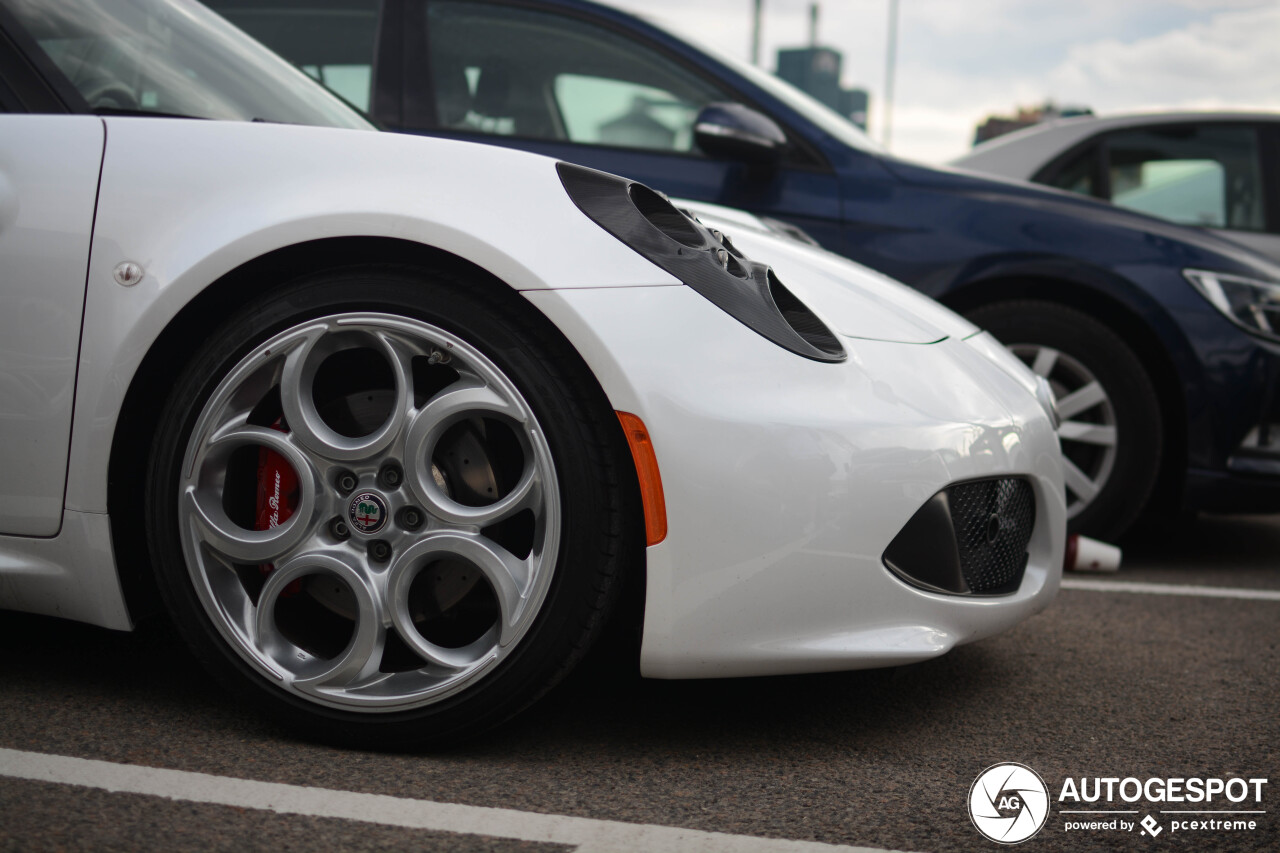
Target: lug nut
[[345, 481], [390, 477], [410, 518], [339, 529], [379, 551]]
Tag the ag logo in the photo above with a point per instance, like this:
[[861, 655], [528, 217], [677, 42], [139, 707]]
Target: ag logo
[[1008, 803], [367, 512]]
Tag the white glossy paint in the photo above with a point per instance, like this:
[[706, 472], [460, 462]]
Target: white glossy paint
[[48, 181], [785, 478], [190, 202], [71, 575]]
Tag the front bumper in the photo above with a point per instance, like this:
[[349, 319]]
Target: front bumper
[[786, 479], [1234, 429], [1228, 390]]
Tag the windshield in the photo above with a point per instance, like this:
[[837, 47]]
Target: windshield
[[174, 58]]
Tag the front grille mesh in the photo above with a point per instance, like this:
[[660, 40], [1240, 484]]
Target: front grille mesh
[[993, 520]]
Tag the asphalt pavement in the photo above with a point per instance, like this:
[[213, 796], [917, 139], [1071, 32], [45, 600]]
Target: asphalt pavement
[[1104, 684]]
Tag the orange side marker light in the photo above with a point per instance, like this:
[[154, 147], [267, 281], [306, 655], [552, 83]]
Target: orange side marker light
[[655, 505]]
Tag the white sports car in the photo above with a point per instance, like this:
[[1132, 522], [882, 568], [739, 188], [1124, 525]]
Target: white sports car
[[395, 424]]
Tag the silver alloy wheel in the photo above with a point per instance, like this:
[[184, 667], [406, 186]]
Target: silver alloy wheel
[[1088, 429], [425, 520]]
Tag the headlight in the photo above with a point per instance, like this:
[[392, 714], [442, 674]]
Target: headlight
[[703, 259], [1249, 303]]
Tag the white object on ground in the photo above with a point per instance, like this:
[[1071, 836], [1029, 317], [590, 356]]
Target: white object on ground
[[1090, 555]]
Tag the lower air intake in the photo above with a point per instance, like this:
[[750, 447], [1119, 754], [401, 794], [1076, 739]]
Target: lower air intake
[[969, 539]]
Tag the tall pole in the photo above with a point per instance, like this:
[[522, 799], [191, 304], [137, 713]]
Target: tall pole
[[755, 33], [891, 59]]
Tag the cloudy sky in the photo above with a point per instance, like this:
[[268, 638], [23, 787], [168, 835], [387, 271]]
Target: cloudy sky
[[961, 60]]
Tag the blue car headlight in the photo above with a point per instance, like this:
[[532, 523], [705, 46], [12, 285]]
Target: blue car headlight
[[705, 260], [1250, 303]]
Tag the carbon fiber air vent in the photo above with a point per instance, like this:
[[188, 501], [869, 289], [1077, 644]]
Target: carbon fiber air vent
[[969, 539], [703, 259]]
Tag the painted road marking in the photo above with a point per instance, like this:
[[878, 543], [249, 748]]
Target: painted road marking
[[588, 835], [1172, 589]]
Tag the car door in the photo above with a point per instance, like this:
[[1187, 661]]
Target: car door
[[596, 92], [1213, 175], [49, 166]]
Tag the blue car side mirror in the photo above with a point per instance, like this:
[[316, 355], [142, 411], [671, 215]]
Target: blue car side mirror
[[735, 132]]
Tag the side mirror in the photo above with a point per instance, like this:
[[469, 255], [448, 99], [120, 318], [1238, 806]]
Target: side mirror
[[735, 132]]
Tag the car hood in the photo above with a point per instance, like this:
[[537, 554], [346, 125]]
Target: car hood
[[1045, 201], [854, 301]]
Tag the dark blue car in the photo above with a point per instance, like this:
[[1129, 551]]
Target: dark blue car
[[1160, 340]]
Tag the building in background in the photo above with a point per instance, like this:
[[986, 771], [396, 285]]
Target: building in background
[[816, 71], [1025, 117]]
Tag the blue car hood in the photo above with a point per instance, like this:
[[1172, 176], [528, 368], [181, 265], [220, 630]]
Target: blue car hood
[[1037, 199]]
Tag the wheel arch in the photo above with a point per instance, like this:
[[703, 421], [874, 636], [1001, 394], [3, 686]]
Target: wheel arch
[[1131, 326], [180, 339]]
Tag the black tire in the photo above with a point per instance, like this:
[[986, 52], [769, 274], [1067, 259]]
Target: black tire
[[1092, 351], [580, 522]]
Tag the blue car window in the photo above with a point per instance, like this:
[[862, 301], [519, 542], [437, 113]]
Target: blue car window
[[515, 72]]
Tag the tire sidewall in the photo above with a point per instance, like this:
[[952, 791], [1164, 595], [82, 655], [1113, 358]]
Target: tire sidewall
[[576, 600]]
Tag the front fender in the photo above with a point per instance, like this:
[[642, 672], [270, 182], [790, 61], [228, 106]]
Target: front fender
[[192, 201]]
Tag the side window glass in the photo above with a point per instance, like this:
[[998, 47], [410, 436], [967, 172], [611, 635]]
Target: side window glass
[[332, 40], [516, 72], [1078, 174], [1191, 174]]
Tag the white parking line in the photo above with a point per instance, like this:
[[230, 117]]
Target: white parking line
[[1172, 589], [586, 834]]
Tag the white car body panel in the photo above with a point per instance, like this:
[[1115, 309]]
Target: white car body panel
[[1020, 154], [48, 185], [781, 571], [71, 575], [260, 192], [784, 478]]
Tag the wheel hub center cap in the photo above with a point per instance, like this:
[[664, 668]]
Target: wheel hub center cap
[[367, 512]]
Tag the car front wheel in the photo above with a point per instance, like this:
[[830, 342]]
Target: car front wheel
[[386, 508]]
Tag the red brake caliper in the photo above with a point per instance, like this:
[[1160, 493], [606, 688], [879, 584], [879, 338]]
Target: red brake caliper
[[277, 497]]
